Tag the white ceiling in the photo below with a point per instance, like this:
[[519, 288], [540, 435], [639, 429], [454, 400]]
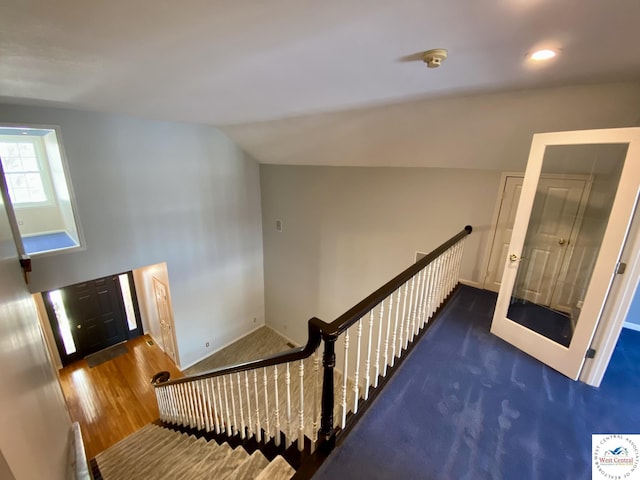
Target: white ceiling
[[251, 65]]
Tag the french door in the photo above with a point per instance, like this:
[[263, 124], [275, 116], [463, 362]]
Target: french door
[[595, 235]]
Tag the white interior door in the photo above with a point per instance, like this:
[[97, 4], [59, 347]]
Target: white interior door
[[164, 316], [557, 221], [522, 316]]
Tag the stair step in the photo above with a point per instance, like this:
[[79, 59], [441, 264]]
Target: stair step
[[230, 462], [158, 452], [249, 468], [278, 469]]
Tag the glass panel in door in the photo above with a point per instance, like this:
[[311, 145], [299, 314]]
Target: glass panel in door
[[569, 217]]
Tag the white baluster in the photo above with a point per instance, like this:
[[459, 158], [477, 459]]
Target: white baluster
[[367, 363], [380, 323], [287, 382], [438, 284], [316, 410], [395, 327], [246, 386], [409, 313], [402, 321], [416, 305], [356, 377], [449, 272], [240, 402], [266, 405], [443, 274], [386, 339], [421, 301], [425, 299], [224, 420], [343, 398], [234, 426], [203, 407], [301, 411], [229, 427], [459, 262], [159, 401], [187, 394], [183, 405], [217, 420], [197, 384], [170, 400], [255, 389], [277, 400]]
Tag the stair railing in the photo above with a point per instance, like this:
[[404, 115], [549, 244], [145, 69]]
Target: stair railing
[[285, 396]]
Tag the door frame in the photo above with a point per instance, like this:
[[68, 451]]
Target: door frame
[[614, 239], [51, 317]]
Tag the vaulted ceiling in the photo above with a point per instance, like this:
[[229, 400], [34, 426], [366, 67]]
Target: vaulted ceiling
[[336, 82]]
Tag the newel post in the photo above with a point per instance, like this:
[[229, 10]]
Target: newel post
[[326, 435]]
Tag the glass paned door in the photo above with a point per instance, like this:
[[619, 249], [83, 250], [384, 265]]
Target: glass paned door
[[577, 199]]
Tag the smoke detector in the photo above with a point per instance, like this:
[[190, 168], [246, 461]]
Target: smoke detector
[[434, 58]]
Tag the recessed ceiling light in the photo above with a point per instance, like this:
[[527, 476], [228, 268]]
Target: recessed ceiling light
[[542, 55]]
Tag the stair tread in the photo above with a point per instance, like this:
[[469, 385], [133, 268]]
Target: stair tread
[[278, 469], [250, 467]]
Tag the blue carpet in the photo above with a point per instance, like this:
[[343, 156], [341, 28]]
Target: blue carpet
[[48, 241], [466, 405]]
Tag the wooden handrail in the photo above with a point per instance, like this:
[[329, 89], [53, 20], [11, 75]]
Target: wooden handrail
[[316, 326], [355, 313], [320, 330]]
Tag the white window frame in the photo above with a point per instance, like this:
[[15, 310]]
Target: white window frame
[[44, 172], [10, 208]]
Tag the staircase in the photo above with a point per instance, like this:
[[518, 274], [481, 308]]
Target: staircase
[[299, 403], [158, 452]]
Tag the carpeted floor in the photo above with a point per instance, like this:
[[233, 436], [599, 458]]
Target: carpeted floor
[[259, 344], [47, 242], [466, 405]]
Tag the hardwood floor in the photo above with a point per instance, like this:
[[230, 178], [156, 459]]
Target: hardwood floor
[[115, 398]]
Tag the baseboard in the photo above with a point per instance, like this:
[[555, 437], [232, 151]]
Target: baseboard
[[46, 232], [632, 326], [182, 369], [470, 283]]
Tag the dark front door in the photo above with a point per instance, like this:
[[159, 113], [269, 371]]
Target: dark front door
[[95, 315]]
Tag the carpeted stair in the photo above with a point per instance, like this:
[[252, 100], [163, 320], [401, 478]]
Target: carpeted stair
[[158, 452]]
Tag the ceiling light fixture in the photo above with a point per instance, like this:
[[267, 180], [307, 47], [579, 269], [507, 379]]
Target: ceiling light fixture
[[542, 55]]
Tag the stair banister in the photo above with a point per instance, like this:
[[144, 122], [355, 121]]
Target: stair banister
[[437, 275]]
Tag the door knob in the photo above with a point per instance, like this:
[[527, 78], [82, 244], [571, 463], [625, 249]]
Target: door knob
[[561, 241], [78, 326], [513, 257]]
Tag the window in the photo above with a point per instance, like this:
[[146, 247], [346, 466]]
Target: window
[[37, 190], [22, 169]]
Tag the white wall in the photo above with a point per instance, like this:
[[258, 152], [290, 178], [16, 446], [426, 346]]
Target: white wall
[[151, 192], [34, 422], [348, 230]]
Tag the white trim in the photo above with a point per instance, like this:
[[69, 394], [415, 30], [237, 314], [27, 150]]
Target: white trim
[[615, 309], [220, 348], [494, 224], [631, 326], [471, 283]]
